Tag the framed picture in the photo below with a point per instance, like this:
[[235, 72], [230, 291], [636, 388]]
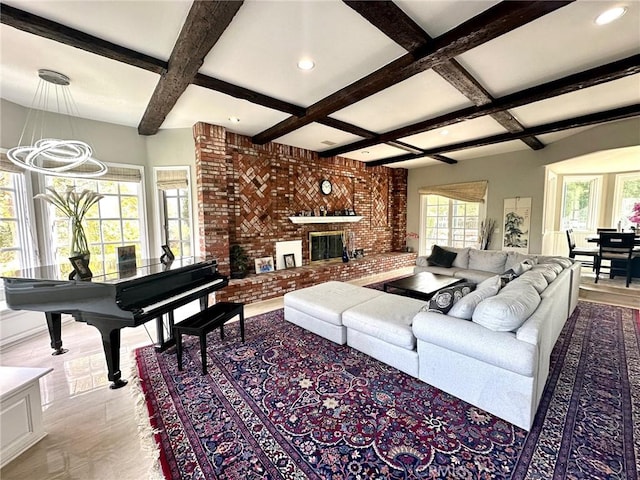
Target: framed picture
[[517, 219], [127, 259], [80, 267], [264, 264], [167, 255], [289, 260]]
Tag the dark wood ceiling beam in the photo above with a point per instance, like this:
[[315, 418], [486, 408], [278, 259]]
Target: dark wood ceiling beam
[[347, 127], [51, 30], [203, 27], [242, 93], [492, 23], [576, 122], [399, 27], [578, 81], [57, 32]]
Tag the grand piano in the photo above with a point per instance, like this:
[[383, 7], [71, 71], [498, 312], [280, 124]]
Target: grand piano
[[110, 302]]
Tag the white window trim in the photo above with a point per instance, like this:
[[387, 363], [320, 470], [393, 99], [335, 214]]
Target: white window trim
[[593, 215], [423, 248], [158, 205], [617, 197], [49, 256]]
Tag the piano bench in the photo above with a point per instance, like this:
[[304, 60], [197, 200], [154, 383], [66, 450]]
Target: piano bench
[[204, 322]]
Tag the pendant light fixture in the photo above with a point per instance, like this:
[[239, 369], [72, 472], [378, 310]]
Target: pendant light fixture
[[45, 153]]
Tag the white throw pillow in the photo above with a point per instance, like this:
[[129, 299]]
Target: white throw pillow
[[508, 310], [464, 307]]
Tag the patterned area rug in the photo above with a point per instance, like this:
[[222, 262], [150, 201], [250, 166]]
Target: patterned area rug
[[289, 404]]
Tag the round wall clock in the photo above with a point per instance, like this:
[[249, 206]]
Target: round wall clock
[[326, 187]]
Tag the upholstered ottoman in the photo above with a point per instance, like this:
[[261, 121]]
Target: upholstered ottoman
[[319, 308], [381, 328]]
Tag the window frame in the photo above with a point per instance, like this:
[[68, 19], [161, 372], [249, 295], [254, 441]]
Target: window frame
[[45, 234], [161, 228], [593, 209], [618, 215], [424, 246]]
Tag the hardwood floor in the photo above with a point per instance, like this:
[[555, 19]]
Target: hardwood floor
[[95, 433]]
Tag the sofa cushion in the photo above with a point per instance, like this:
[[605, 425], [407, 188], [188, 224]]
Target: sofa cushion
[[326, 301], [489, 261], [388, 318], [513, 258], [564, 262], [535, 279], [464, 307], [508, 310], [522, 267], [441, 257], [444, 299], [462, 256], [448, 272], [547, 270], [473, 276]]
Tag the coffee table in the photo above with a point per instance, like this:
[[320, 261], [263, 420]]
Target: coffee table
[[422, 285]]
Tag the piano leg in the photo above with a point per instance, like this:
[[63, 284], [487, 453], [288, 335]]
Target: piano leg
[[111, 346], [54, 323], [162, 344]]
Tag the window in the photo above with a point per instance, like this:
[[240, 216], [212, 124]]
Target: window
[[450, 222], [580, 200], [116, 220], [16, 242], [627, 194], [174, 198]]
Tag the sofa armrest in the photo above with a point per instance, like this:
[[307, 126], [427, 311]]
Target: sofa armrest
[[501, 349]]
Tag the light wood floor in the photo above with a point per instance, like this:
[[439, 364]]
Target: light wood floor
[[94, 433]]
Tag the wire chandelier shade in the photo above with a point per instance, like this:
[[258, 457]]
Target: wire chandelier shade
[[44, 153]]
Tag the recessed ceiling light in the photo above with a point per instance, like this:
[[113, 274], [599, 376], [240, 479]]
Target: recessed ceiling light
[[444, 132], [610, 15], [306, 64], [365, 152], [234, 119]]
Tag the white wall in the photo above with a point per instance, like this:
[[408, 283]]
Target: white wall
[[518, 174]]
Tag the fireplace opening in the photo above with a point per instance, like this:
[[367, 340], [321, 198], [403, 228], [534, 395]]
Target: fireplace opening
[[325, 246]]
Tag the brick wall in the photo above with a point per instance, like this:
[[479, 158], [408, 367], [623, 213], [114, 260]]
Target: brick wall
[[275, 284], [246, 193]]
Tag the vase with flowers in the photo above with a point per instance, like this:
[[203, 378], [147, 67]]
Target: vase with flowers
[[409, 236], [635, 217], [74, 206]]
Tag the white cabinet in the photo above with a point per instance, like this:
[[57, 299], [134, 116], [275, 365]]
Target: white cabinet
[[20, 410]]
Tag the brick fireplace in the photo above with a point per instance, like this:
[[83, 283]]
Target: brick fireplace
[[247, 192]]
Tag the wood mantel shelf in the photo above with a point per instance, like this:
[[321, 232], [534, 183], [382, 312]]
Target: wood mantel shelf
[[327, 219]]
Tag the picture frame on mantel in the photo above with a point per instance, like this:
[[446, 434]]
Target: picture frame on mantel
[[289, 260], [264, 265]]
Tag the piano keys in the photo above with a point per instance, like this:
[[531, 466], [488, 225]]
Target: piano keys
[[110, 302]]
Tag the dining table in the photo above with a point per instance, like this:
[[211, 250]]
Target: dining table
[[635, 263]]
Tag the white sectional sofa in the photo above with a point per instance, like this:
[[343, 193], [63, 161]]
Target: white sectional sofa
[[479, 359]]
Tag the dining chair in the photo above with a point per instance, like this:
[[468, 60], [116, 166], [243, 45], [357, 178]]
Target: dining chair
[[582, 251], [617, 248]]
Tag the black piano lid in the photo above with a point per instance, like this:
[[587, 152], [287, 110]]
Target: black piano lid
[[145, 268]]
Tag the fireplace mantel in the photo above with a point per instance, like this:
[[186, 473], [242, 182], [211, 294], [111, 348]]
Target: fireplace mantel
[[328, 219]]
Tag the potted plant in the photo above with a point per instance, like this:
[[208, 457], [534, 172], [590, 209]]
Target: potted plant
[[74, 206], [239, 262]]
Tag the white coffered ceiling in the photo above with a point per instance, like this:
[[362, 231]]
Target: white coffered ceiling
[[259, 50]]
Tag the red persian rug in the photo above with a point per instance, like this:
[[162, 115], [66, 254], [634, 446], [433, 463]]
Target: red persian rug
[[288, 404]]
